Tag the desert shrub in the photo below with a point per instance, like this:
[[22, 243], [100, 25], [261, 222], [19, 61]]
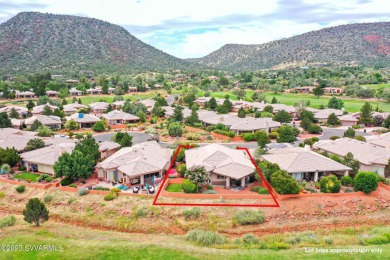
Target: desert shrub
[[83, 191], [188, 186], [250, 239], [376, 240], [97, 187], [192, 213], [7, 221], [209, 192], [141, 212], [181, 169], [330, 184], [346, 180], [66, 181], [193, 137], [116, 190], [348, 190], [248, 137], [110, 196], [47, 198], [71, 200], [205, 238], [248, 217], [2, 194], [278, 245], [209, 138], [334, 137], [210, 187], [22, 168], [383, 180], [366, 182], [73, 185], [20, 188], [329, 241]]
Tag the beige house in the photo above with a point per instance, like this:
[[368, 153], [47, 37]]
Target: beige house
[[98, 107], [14, 138], [84, 120], [142, 162], [75, 92], [52, 93], [108, 148], [38, 110], [330, 90], [116, 117], [43, 159], [348, 120], [25, 94], [22, 111], [373, 157], [323, 114], [73, 108], [94, 91], [222, 163], [302, 163], [53, 122]]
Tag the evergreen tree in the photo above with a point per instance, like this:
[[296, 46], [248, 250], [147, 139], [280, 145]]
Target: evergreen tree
[[5, 121], [241, 113], [333, 120], [142, 116], [268, 108], [318, 91], [47, 111], [35, 125], [109, 108], [262, 138], [212, 104], [274, 100], [35, 212], [13, 113], [30, 105], [79, 101], [349, 133], [178, 114], [158, 110], [305, 123], [335, 103], [105, 87], [366, 114], [34, 144], [88, 146], [64, 102], [286, 134], [193, 118], [283, 117], [221, 109], [228, 104]]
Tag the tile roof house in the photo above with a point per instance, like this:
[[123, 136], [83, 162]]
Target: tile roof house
[[303, 163], [25, 94], [98, 107], [43, 159], [169, 111], [38, 110], [84, 120], [52, 93], [348, 120], [10, 137], [118, 104], [108, 148], [119, 117], [73, 108], [22, 111], [323, 114], [94, 91], [142, 161], [372, 156], [75, 92], [53, 122], [222, 163]]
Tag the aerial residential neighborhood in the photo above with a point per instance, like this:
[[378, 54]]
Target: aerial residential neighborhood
[[194, 130]]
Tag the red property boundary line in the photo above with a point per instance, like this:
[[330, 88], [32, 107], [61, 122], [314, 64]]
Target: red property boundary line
[[155, 203]]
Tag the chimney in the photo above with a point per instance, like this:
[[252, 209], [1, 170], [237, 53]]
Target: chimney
[[307, 148]]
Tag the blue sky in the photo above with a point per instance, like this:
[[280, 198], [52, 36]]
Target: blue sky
[[195, 28]]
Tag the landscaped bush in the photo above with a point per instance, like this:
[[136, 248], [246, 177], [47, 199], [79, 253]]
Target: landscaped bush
[[210, 187], [20, 188], [22, 168], [273, 135], [263, 191], [248, 217], [7, 221], [383, 180], [314, 129], [366, 182], [116, 190], [66, 182], [192, 213], [278, 246], [248, 137], [334, 137], [330, 184], [83, 191], [47, 198], [250, 239], [188, 186], [193, 137], [230, 134], [181, 169], [283, 183], [255, 189], [346, 180], [43, 177], [2, 194], [73, 185], [205, 238], [110, 196], [97, 187]]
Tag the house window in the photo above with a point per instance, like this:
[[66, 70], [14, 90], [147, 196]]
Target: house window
[[220, 177]]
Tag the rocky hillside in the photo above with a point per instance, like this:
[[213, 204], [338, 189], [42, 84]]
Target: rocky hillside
[[31, 42], [365, 44]]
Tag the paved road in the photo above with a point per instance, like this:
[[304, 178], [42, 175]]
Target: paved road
[[328, 132], [137, 137]]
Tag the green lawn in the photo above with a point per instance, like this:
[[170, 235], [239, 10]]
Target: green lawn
[[26, 176], [351, 105], [86, 100], [174, 187], [77, 242], [377, 86]]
